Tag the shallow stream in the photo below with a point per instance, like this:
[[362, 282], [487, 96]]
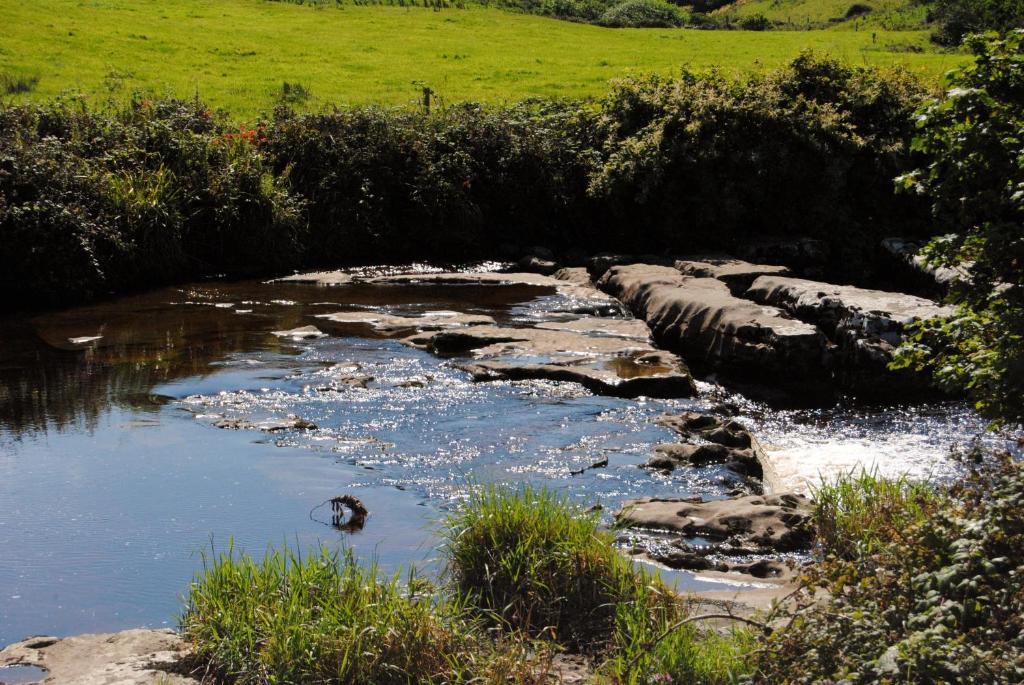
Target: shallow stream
[[114, 478]]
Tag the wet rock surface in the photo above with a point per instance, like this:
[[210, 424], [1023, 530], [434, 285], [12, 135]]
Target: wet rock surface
[[701, 319], [780, 523], [131, 657], [391, 324]]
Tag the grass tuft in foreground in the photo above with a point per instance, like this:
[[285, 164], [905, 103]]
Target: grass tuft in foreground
[[323, 618]]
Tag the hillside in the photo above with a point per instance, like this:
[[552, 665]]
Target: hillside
[[237, 54]]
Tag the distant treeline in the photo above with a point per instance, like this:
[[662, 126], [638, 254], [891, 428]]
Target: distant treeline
[[163, 191]]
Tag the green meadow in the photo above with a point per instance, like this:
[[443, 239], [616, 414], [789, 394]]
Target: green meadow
[[236, 54]]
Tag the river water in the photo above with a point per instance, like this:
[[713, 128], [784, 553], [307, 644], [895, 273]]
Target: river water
[[115, 479]]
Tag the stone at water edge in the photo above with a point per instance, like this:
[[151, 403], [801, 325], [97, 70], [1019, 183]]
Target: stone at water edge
[[131, 657], [301, 333], [737, 274], [780, 523], [700, 319]]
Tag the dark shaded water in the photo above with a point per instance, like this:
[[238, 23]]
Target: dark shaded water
[[114, 478]]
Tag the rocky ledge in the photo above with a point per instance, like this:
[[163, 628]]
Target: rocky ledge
[[131, 657]]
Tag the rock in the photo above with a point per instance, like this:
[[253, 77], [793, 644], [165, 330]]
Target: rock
[[735, 273], [728, 433], [390, 324], [920, 275], [772, 522], [597, 381], [701, 319], [617, 365], [866, 325], [317, 278], [628, 329], [301, 333], [131, 657], [576, 275], [599, 264], [85, 339], [671, 455], [268, 425], [537, 265]]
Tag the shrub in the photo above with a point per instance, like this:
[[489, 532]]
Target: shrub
[[956, 19], [642, 14], [806, 150], [755, 23], [973, 178], [941, 601]]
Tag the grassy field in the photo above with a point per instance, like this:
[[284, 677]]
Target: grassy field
[[237, 53], [883, 14]]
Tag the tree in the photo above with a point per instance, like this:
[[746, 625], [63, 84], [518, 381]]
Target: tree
[[974, 139]]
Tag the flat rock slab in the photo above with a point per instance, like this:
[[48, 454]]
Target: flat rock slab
[[605, 364], [628, 329], [301, 333], [845, 308], [131, 657], [701, 319], [735, 273], [391, 324], [317, 278], [597, 381], [771, 522]]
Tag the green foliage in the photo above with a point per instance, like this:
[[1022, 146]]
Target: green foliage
[[642, 14], [860, 511], [532, 562], [325, 619], [481, 54], [154, 193], [975, 181], [805, 150], [537, 565], [939, 601], [959, 18]]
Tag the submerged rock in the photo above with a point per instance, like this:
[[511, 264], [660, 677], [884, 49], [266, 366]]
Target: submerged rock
[[267, 425], [131, 657], [301, 333], [779, 523], [390, 324], [701, 319]]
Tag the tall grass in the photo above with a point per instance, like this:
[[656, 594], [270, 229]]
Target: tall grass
[[322, 618], [861, 510], [533, 562]]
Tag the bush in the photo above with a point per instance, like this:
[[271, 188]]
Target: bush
[[806, 150], [973, 179], [940, 600], [642, 14], [956, 19]]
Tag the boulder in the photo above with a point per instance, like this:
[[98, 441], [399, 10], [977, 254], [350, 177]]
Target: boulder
[[669, 456], [917, 273], [866, 325], [768, 522], [700, 319], [301, 333], [576, 275]]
